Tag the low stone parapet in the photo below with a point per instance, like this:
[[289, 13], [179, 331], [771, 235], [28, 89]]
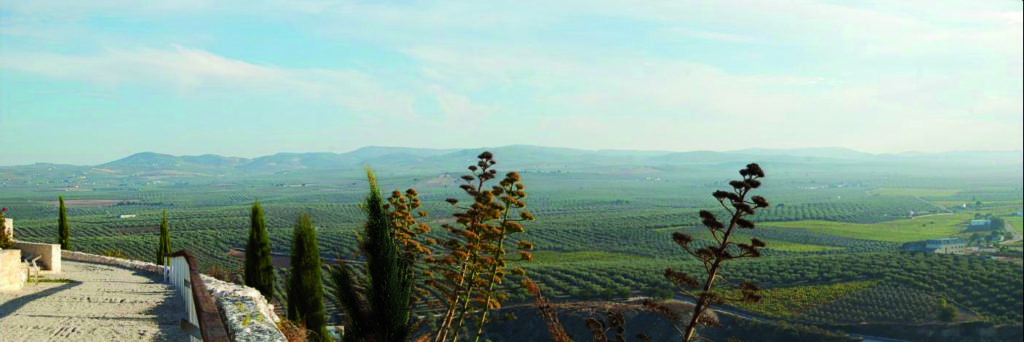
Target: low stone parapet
[[49, 254], [12, 270], [247, 315], [99, 259]]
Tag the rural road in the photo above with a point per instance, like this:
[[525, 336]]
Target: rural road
[[1017, 236]]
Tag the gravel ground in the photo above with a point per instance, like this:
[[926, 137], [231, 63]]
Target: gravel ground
[[105, 303]]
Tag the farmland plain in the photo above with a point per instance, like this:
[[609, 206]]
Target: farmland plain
[[603, 227]]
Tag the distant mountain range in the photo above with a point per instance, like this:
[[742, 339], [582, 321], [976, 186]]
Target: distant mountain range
[[519, 156]]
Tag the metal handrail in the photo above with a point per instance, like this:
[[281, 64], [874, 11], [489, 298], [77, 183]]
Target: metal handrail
[[182, 271]]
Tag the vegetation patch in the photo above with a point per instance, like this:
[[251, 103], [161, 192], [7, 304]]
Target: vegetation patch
[[1016, 222], [548, 257], [787, 246], [884, 302], [789, 302], [777, 244], [905, 230], [92, 202], [57, 280], [917, 192]]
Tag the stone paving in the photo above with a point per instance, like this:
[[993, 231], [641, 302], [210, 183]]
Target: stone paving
[[103, 303]]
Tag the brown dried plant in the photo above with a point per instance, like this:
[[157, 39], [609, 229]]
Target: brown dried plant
[[474, 266], [615, 324], [293, 332], [404, 214], [547, 312]]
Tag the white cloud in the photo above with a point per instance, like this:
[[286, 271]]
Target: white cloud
[[182, 67], [650, 102], [193, 71], [709, 35], [73, 9], [879, 75]]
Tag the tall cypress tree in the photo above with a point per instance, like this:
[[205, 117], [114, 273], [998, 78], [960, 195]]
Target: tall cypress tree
[[63, 230], [259, 269], [164, 248], [305, 287], [385, 314]]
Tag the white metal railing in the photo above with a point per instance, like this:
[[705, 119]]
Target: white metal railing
[[178, 274], [204, 322]]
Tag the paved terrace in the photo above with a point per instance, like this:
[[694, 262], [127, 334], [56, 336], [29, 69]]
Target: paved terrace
[[105, 303]]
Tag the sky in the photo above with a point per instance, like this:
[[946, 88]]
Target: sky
[[86, 82]]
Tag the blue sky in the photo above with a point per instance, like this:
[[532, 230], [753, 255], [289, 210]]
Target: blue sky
[[86, 82]]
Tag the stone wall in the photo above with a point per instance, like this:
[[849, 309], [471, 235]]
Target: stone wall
[[247, 316], [12, 270], [49, 254], [99, 259]]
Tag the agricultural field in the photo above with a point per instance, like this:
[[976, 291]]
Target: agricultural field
[[916, 192], [1016, 222], [882, 302], [903, 230], [832, 257]]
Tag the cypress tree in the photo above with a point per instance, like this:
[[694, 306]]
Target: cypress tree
[[259, 269], [385, 314], [305, 287], [63, 230], [164, 247], [392, 284]]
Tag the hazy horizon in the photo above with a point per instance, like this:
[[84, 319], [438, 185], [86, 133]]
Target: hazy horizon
[[89, 82], [741, 150]]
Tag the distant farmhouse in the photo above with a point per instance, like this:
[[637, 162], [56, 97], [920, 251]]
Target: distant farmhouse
[[985, 224], [979, 224], [943, 246], [913, 214]]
